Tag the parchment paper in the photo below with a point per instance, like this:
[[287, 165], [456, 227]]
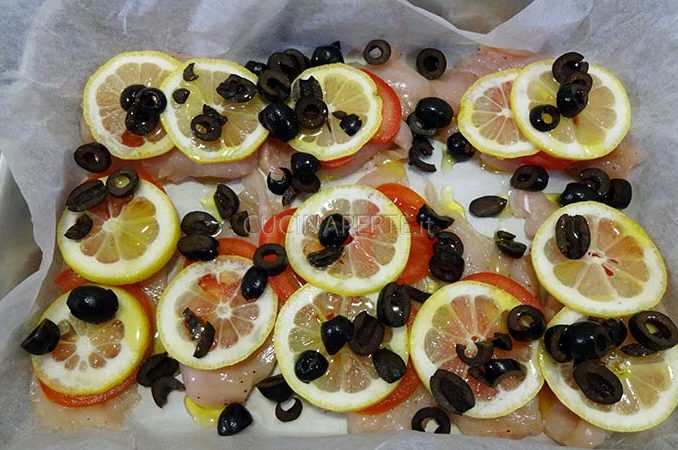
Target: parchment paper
[[49, 49]]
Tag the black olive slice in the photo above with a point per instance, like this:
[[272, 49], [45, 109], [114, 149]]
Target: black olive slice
[[431, 63], [288, 196], [233, 419], [129, 94], [200, 330], [447, 266], [654, 330], [278, 185], [377, 52], [311, 113], [484, 352], [307, 88], [576, 192], [368, 333], [502, 341], [198, 247], [86, 195], [280, 120], [273, 266], [447, 241], [151, 100], [568, 63], [240, 223], [255, 67], [253, 283], [526, 323], [597, 180], [544, 117], [81, 228], [162, 387], [620, 193], [200, 222], [92, 304], [155, 367], [598, 383], [181, 95], [237, 89], [389, 365], [432, 221], [573, 236], [141, 122], [351, 124], [335, 333], [586, 340], [452, 393], [637, 350], [495, 370], [123, 182], [582, 78], [226, 201], [274, 85], [417, 127], [487, 206], [206, 127], [275, 388], [208, 110], [571, 99], [393, 305], [334, 230], [617, 331], [323, 258], [304, 164], [415, 294], [420, 147], [459, 147], [93, 157], [530, 178], [189, 73], [327, 54], [554, 343], [508, 246], [310, 366], [301, 62], [431, 413], [434, 112], [43, 339], [290, 414]]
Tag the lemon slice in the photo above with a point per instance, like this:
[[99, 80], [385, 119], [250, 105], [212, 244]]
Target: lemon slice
[[593, 133], [486, 120], [345, 89], [101, 103], [93, 358], [377, 249], [463, 313], [351, 382], [211, 290], [650, 386], [622, 272], [240, 136], [131, 239]]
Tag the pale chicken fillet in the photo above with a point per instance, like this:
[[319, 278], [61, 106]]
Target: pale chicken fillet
[[565, 427], [534, 207], [519, 424]]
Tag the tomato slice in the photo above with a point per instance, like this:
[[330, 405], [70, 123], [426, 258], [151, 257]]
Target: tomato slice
[[333, 164], [132, 140], [67, 279], [274, 232], [79, 401], [512, 287], [404, 198], [237, 247], [391, 112], [548, 162], [406, 386], [421, 251]]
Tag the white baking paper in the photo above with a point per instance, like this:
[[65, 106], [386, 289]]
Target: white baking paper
[[49, 48]]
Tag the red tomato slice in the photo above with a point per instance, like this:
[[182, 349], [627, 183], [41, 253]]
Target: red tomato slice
[[237, 247], [391, 111], [512, 287], [274, 232], [421, 251], [404, 198], [67, 279], [79, 401], [132, 140], [406, 386], [547, 161], [333, 164]]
